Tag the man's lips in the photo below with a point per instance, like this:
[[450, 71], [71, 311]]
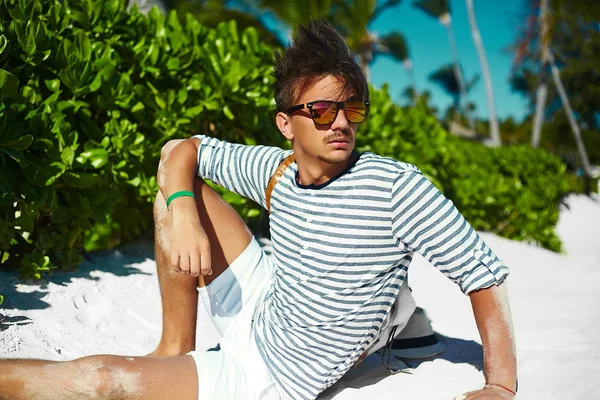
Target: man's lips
[[340, 140]]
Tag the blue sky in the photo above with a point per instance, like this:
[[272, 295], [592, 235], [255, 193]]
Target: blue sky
[[498, 20]]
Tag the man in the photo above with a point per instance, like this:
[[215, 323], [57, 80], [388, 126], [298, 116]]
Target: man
[[344, 228]]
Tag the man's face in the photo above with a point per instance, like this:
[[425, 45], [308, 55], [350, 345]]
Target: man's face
[[332, 143]]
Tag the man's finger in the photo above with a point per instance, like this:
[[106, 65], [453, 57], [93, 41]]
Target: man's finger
[[175, 261], [184, 263], [205, 266], [195, 265]]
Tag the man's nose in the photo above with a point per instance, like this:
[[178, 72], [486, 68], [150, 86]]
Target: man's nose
[[340, 122]]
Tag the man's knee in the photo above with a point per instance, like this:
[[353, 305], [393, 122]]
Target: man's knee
[[168, 148], [109, 378]]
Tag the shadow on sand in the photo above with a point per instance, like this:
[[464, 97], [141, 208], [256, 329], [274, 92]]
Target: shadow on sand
[[371, 371], [119, 261]]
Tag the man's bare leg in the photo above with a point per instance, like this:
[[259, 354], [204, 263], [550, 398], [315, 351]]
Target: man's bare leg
[[228, 235], [100, 377]]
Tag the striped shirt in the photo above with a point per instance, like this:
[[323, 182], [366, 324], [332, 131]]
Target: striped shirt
[[342, 250]]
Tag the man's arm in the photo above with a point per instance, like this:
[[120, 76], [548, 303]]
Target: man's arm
[[492, 315], [177, 167], [242, 169], [238, 168], [428, 223], [190, 249]]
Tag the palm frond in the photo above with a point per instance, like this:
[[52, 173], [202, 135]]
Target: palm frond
[[433, 8], [446, 79], [394, 45], [384, 6], [298, 12]]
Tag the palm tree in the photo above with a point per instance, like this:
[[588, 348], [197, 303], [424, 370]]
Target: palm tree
[[395, 45], [542, 90], [445, 77], [352, 19], [440, 10], [567, 104], [548, 61], [485, 69]]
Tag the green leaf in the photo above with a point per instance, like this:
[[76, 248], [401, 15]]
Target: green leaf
[[1, 299], [139, 106], [52, 84], [9, 84], [67, 156], [96, 83], [29, 93], [96, 157], [28, 41], [227, 112], [26, 222], [173, 64], [135, 181], [21, 143], [83, 44], [160, 101], [3, 44], [252, 213], [194, 111], [81, 180], [106, 67]]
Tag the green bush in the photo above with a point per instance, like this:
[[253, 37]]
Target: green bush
[[513, 191], [89, 94]]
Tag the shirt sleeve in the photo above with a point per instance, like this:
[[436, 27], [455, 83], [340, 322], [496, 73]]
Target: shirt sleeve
[[242, 169], [427, 222]]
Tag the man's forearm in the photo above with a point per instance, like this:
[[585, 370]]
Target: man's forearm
[[177, 167], [492, 314]]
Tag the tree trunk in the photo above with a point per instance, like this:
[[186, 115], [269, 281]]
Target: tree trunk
[[485, 69], [574, 127], [146, 5], [540, 106], [457, 72], [413, 84], [542, 90]]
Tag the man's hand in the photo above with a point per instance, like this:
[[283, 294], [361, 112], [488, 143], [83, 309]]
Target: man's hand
[[489, 392], [190, 248]]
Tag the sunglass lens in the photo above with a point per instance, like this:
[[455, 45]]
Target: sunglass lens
[[324, 112], [356, 111]]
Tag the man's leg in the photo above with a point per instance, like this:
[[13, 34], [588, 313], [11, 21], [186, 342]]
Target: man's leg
[[228, 236], [100, 377]]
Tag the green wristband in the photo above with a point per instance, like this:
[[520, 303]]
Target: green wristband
[[181, 193]]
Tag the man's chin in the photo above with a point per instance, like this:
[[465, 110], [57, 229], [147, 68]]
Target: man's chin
[[336, 159]]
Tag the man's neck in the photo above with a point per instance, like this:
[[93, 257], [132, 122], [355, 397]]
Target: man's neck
[[312, 171]]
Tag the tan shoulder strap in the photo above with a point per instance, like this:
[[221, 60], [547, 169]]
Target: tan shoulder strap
[[275, 178]]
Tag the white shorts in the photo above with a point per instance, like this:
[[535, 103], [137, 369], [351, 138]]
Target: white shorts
[[237, 370]]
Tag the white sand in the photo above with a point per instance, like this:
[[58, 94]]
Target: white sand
[[114, 307]]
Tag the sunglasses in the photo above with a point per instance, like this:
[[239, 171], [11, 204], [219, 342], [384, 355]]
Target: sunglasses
[[324, 112]]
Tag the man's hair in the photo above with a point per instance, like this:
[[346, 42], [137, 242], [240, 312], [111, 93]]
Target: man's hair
[[317, 50]]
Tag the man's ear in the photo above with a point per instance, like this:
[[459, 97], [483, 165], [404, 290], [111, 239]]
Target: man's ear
[[284, 124]]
